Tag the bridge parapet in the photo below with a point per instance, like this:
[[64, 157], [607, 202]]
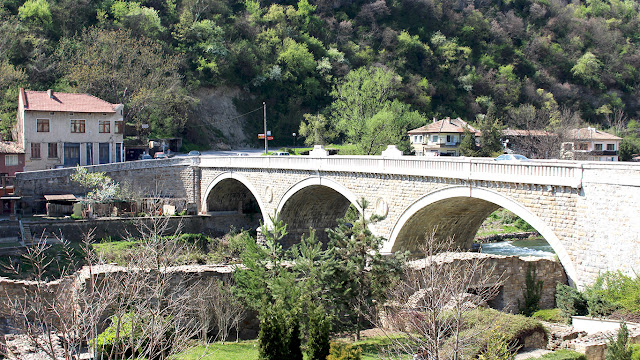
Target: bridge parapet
[[553, 173]]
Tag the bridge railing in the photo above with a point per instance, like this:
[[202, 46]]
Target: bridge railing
[[555, 173]]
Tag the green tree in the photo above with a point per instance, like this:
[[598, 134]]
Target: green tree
[[587, 68], [366, 112], [36, 12], [618, 348], [490, 142], [137, 72], [363, 274], [468, 145], [316, 130], [629, 147]]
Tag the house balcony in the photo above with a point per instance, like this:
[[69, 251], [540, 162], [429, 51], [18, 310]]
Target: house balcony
[[442, 145]]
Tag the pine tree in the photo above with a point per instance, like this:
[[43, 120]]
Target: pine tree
[[363, 275]]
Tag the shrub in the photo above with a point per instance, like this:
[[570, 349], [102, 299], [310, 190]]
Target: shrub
[[514, 328], [342, 351], [497, 348], [612, 291], [279, 337], [549, 315], [570, 302], [532, 292], [318, 341], [129, 338], [635, 352], [199, 240], [618, 348]]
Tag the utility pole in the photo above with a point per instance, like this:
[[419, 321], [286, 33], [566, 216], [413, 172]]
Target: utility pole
[[266, 142]]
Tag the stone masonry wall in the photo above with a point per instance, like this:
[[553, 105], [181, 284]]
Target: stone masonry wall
[[512, 269], [120, 228], [173, 178], [554, 206], [511, 273]]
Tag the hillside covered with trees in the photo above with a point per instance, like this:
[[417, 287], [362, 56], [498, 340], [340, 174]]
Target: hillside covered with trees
[[357, 69]]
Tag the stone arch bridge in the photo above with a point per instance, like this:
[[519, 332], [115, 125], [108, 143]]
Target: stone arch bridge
[[588, 212]]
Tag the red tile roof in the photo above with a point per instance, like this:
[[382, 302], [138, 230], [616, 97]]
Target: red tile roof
[[590, 133], [518, 132], [444, 126], [10, 147], [68, 102]]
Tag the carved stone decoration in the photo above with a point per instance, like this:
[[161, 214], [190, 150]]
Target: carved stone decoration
[[268, 194], [381, 209]]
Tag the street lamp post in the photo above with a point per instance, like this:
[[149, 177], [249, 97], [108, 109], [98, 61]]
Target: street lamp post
[[294, 139]]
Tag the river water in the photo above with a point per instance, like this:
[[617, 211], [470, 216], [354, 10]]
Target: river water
[[525, 247]]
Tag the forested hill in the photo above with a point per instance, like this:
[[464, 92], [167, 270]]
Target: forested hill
[[530, 63]]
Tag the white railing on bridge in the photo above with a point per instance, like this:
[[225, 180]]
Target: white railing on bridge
[[554, 173]]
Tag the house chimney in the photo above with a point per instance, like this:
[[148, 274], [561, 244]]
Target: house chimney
[[434, 120], [50, 93]]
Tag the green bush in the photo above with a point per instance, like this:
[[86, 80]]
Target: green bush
[[635, 352], [618, 348], [123, 339], [279, 337], [549, 315], [199, 240], [570, 302], [114, 342], [611, 291], [532, 292], [513, 328], [342, 351], [318, 340]]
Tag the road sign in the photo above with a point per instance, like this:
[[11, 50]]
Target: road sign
[[269, 138], [260, 136]]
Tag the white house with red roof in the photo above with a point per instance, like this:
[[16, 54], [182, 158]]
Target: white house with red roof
[[440, 138], [591, 144], [65, 129]]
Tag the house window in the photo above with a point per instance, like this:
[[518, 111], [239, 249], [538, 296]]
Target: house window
[[103, 153], [118, 152], [434, 138], [105, 126], [449, 138], [611, 147], [583, 146], [77, 126], [42, 125], [10, 160], [53, 150], [598, 147], [35, 150], [119, 126], [89, 153], [71, 154]]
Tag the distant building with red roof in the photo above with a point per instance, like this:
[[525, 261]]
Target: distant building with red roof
[[66, 129], [591, 144], [440, 138], [11, 158]]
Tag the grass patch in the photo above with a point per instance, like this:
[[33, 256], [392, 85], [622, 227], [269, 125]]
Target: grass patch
[[562, 355], [249, 350], [515, 328], [244, 350], [503, 221], [60, 260], [549, 315]]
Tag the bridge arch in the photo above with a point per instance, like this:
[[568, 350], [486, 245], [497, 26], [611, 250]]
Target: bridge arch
[[314, 202], [474, 204], [237, 181]]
